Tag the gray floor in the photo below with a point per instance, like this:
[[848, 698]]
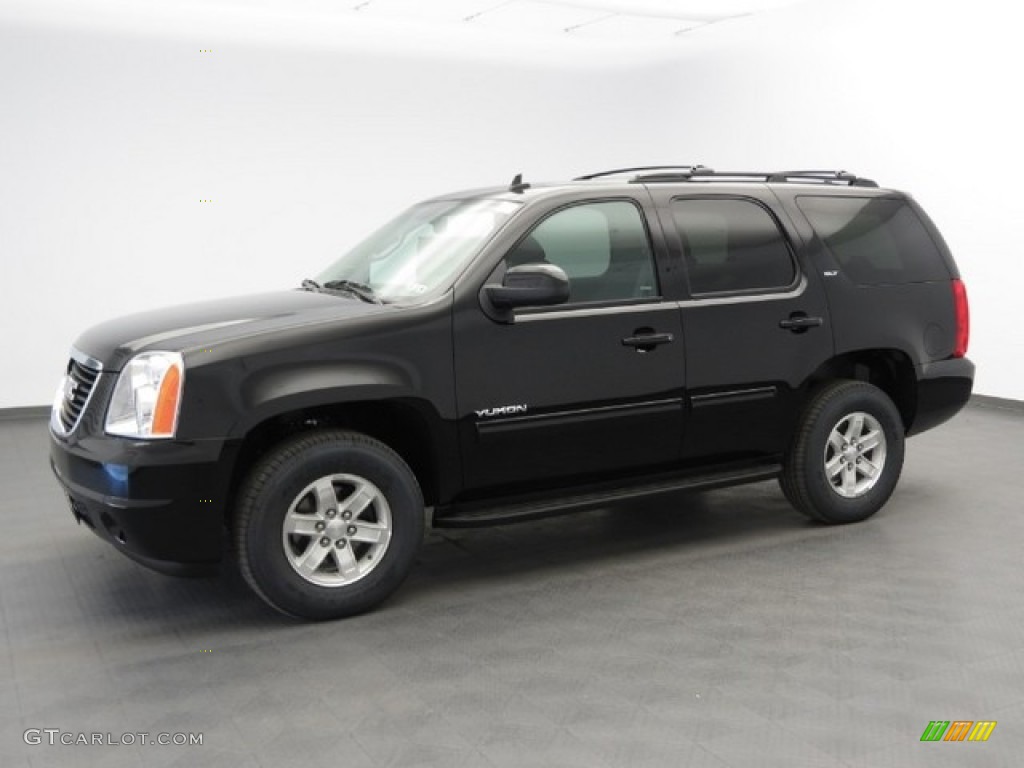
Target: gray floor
[[708, 630]]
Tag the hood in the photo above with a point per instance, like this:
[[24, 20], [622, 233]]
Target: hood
[[205, 323]]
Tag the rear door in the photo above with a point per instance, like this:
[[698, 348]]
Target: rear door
[[581, 391], [755, 323]]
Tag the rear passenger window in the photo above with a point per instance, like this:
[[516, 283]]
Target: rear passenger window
[[732, 246], [875, 240]]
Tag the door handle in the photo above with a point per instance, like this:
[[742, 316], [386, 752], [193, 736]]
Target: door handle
[[799, 322], [644, 340]]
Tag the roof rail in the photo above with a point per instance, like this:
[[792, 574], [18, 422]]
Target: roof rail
[[825, 177], [617, 171], [700, 172]]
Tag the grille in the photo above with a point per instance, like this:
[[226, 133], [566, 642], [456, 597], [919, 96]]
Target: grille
[[78, 387]]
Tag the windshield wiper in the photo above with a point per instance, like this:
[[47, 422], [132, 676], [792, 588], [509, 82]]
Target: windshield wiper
[[310, 285], [362, 290]]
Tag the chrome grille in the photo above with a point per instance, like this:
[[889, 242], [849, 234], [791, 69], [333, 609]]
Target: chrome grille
[[79, 382]]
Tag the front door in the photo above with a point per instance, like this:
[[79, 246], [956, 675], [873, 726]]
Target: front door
[[583, 391]]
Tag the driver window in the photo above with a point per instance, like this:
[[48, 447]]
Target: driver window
[[602, 247]]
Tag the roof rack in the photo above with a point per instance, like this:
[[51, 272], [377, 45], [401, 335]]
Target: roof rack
[[675, 173], [618, 171], [823, 177]]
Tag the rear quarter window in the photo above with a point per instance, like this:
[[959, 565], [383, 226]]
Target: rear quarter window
[[876, 240]]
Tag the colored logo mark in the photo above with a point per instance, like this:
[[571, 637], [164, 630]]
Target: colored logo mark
[[958, 730]]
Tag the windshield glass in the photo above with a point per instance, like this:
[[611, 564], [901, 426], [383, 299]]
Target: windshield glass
[[419, 253]]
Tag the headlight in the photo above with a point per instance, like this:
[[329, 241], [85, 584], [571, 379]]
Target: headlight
[[147, 396]]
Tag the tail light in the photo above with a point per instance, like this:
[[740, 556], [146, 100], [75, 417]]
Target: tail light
[[963, 318]]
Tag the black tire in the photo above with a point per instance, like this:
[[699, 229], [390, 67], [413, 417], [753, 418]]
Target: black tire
[[294, 481], [830, 482]]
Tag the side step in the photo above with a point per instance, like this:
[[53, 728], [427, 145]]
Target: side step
[[481, 515]]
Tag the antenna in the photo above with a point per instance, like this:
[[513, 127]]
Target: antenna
[[518, 185]]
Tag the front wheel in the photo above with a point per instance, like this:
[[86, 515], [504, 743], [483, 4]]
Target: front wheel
[[328, 524], [847, 455]]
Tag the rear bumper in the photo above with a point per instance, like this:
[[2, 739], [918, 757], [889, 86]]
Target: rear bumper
[[161, 504], [943, 388]]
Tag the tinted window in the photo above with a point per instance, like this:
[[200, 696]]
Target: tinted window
[[731, 245], [603, 248], [875, 240]]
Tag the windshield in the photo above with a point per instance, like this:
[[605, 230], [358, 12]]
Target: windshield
[[419, 253]]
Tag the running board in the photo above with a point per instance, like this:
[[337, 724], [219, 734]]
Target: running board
[[479, 516]]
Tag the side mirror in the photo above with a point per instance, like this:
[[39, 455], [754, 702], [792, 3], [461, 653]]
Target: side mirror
[[529, 285]]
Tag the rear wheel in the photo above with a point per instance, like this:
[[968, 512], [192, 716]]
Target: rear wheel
[[847, 455], [328, 524]]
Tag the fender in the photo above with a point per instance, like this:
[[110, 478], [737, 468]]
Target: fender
[[372, 384], [274, 391], [235, 385]]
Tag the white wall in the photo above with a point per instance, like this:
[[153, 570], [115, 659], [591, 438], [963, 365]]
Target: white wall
[[920, 95], [305, 133]]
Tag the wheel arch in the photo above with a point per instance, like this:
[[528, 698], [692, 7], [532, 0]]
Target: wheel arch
[[410, 427], [891, 370]]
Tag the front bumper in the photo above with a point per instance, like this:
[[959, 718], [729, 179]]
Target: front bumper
[[161, 504]]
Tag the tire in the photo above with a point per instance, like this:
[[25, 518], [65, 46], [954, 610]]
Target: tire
[[328, 524], [847, 455]]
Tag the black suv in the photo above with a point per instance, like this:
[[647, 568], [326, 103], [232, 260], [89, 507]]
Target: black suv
[[503, 354]]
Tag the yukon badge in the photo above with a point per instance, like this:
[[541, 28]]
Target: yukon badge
[[500, 410]]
